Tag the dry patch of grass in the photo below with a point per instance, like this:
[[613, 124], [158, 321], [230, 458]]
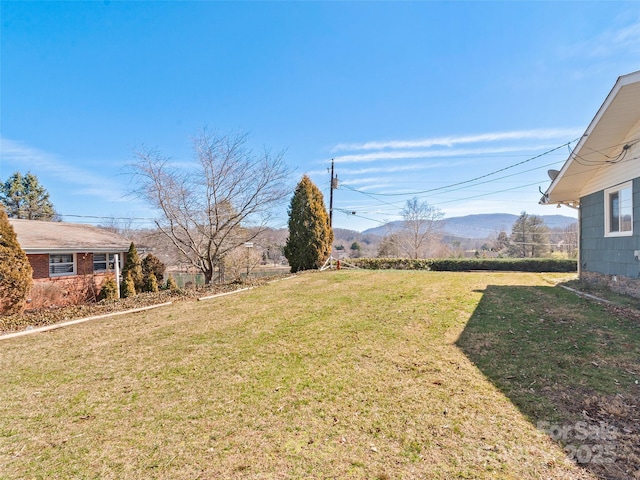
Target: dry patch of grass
[[42, 316], [571, 365], [335, 375]]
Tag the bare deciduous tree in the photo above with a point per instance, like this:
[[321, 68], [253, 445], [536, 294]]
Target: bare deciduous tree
[[121, 226], [421, 224], [207, 206], [241, 260], [571, 239], [565, 241]]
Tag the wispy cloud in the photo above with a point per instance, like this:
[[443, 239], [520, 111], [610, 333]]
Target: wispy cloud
[[406, 168], [400, 168], [438, 153], [24, 158], [626, 39], [373, 187], [623, 40], [451, 141], [395, 168], [362, 181], [628, 36]]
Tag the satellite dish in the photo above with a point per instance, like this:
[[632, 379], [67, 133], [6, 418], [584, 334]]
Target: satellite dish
[[553, 174]]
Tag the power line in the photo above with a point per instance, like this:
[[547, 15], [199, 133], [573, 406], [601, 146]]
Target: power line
[[476, 178], [456, 189], [508, 189], [106, 218], [470, 197], [450, 188], [355, 214], [620, 159]]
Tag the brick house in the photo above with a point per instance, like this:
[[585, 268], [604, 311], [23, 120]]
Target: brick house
[[69, 260]]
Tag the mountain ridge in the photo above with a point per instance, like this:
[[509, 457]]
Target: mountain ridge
[[478, 225]]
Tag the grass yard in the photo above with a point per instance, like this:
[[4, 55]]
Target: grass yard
[[342, 374]]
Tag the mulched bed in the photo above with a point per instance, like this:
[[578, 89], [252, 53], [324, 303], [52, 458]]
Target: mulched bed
[[49, 316]]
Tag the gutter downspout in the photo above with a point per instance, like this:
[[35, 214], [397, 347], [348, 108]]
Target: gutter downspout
[[579, 244], [116, 266], [573, 205]]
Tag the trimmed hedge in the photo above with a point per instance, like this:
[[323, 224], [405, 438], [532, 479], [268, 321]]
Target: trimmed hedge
[[468, 264]]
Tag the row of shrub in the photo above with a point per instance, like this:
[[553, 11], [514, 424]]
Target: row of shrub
[[109, 290], [468, 264]]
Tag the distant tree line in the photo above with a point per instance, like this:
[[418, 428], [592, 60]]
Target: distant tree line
[[530, 237]]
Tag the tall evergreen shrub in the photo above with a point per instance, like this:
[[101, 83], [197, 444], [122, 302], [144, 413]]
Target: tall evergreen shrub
[[310, 235], [16, 275], [133, 267], [128, 287], [152, 264]]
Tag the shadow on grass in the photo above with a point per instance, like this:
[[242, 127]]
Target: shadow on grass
[[570, 365]]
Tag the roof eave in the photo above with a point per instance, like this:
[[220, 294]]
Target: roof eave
[[62, 251], [621, 82]]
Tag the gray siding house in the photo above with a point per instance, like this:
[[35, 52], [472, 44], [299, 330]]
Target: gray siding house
[[601, 178]]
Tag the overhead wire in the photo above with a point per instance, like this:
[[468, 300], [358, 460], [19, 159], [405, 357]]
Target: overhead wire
[[351, 213], [581, 160], [460, 188], [477, 196], [620, 158], [106, 217], [396, 205], [476, 178]]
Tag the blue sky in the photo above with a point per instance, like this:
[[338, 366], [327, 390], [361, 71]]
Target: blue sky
[[409, 98]]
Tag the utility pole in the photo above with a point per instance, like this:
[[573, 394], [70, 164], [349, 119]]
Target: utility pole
[[334, 185]]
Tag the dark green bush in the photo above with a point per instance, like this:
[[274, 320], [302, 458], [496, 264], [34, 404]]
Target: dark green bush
[[15, 269], [128, 287], [109, 290], [505, 264], [152, 264], [468, 264], [151, 283], [171, 285], [133, 268], [391, 263]]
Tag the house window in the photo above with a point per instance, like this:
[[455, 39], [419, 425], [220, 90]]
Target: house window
[[619, 210], [103, 262], [62, 264]]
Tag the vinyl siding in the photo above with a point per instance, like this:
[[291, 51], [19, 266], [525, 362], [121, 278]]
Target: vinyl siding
[[608, 255]]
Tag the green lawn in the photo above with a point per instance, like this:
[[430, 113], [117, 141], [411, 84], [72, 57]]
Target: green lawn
[[342, 374]]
